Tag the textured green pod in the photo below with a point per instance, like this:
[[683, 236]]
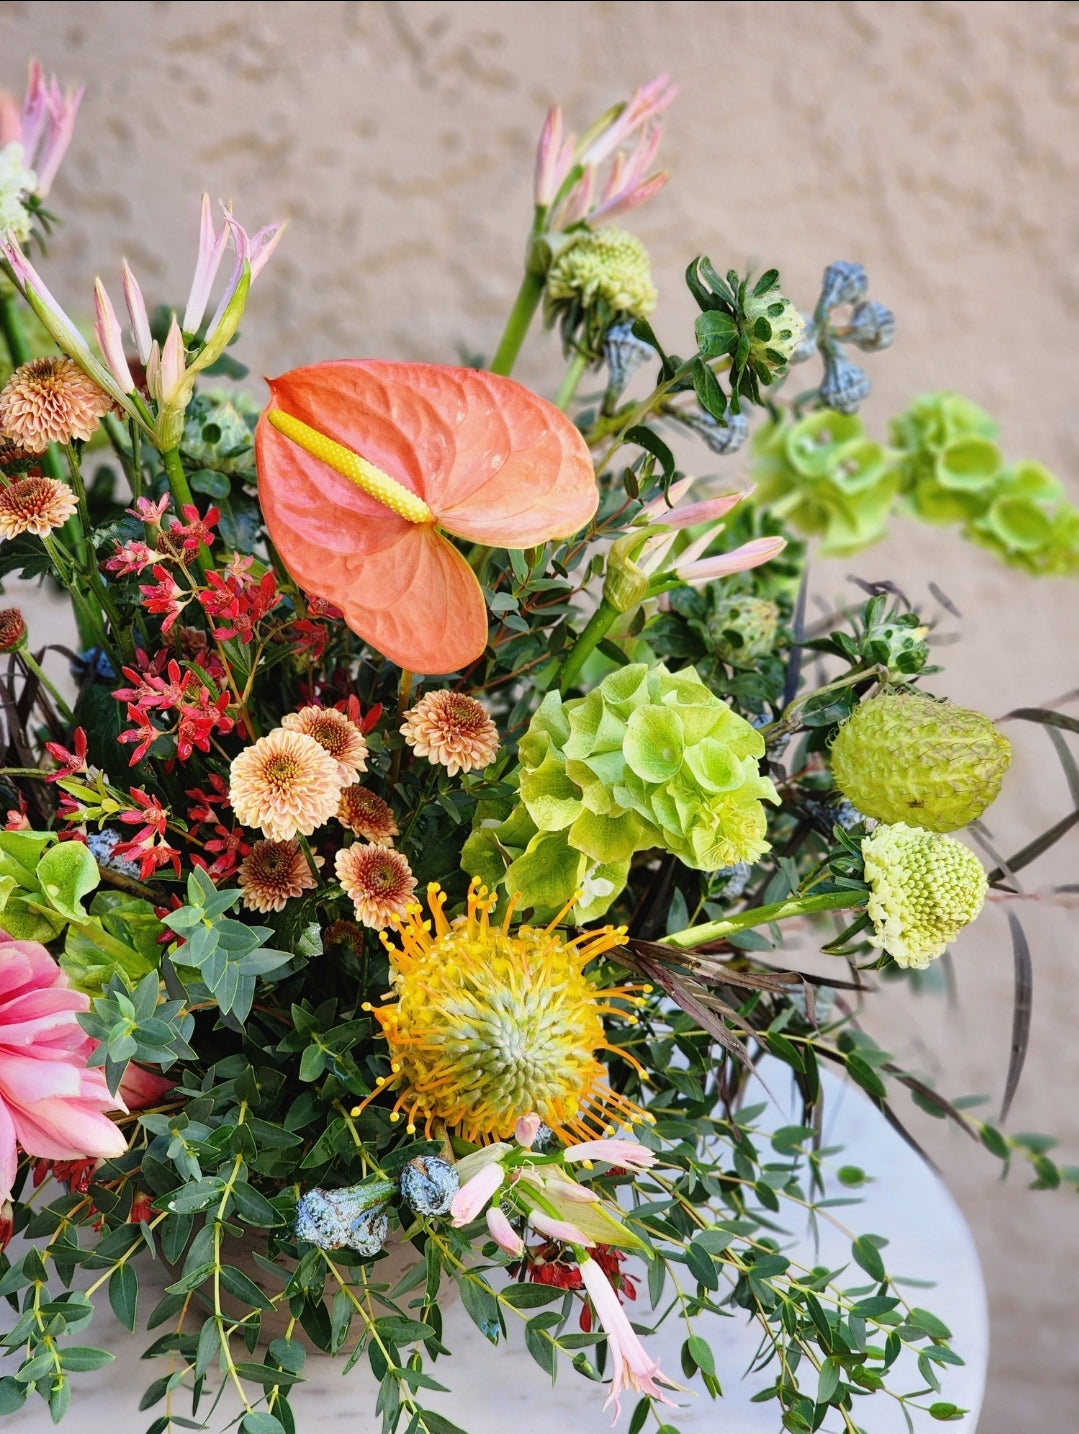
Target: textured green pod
[[743, 626], [902, 757]]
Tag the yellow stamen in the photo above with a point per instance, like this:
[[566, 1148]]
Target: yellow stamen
[[376, 484]]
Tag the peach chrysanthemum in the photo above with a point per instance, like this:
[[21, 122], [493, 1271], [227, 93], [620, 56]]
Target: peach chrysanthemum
[[335, 732], [379, 881], [12, 629], [451, 729], [272, 873], [284, 783], [35, 505], [366, 814], [50, 400]]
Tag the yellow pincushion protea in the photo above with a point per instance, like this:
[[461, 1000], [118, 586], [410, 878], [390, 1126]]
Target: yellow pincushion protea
[[489, 1027]]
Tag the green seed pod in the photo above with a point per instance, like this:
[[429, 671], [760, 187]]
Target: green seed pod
[[743, 626], [924, 888], [902, 757]]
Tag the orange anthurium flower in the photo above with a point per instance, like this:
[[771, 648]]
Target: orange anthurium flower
[[361, 463]]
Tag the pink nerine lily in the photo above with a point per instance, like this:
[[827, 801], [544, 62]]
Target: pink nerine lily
[[630, 1153], [503, 1233], [475, 1194], [628, 183], [558, 1229], [633, 1369], [51, 1103], [43, 126]]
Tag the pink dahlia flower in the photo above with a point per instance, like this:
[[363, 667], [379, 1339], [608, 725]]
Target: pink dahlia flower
[[51, 1103]]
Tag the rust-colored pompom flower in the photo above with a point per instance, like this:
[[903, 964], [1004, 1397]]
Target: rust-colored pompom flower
[[12, 629], [337, 733], [365, 813], [284, 783], [362, 464], [453, 730], [50, 400], [272, 873], [379, 881], [35, 505]]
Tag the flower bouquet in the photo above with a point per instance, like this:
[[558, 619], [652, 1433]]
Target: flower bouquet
[[393, 904]]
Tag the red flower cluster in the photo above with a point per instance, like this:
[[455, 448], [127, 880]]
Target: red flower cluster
[[148, 846], [164, 596], [71, 764], [228, 845], [237, 600], [187, 537], [198, 712], [552, 1264]]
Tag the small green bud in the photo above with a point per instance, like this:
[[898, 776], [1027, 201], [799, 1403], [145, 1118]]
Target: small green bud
[[903, 757], [743, 626], [924, 888]]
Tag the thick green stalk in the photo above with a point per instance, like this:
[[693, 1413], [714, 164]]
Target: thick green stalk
[[518, 323], [568, 387], [599, 624], [762, 915], [183, 497]]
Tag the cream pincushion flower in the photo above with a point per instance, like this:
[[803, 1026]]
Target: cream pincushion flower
[[378, 879], [285, 783], [337, 733], [451, 729], [35, 505], [50, 400]]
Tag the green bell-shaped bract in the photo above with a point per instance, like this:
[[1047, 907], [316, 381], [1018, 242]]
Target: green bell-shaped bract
[[649, 759], [826, 478]]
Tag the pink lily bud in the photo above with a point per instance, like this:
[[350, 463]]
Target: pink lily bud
[[166, 368], [503, 1233], [632, 1367], [647, 101], [558, 1229], [630, 1153], [110, 339], [475, 1194], [44, 127], [527, 1129], [568, 1190], [10, 124], [749, 555], [629, 199], [136, 308], [262, 246], [554, 159], [211, 250]]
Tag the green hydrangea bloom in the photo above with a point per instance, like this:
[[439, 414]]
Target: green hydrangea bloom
[[648, 759], [607, 264], [826, 478], [924, 888], [903, 757]]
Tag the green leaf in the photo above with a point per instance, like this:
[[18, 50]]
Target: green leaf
[[80, 1357], [934, 1327], [244, 1288], [67, 872], [865, 1076], [124, 1294], [866, 1254], [12, 1395], [527, 1297], [539, 1343], [652, 443], [479, 1301], [702, 1266], [828, 1380], [717, 333]]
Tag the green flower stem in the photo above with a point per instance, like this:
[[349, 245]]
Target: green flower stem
[[762, 916], [788, 719], [183, 497], [518, 323], [26, 657], [305, 847], [568, 387], [599, 624], [89, 618]]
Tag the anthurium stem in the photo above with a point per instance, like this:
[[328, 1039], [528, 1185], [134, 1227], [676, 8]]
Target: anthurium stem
[[599, 624], [762, 916]]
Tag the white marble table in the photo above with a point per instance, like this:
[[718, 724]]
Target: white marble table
[[499, 1389]]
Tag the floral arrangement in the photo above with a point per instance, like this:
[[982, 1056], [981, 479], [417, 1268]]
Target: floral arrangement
[[394, 909]]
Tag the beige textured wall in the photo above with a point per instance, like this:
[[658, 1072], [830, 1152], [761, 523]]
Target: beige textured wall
[[934, 142]]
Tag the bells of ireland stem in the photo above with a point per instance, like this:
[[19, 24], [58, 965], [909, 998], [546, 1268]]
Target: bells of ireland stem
[[903, 757], [924, 888]]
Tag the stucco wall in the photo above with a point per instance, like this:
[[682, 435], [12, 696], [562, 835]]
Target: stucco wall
[[934, 142]]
